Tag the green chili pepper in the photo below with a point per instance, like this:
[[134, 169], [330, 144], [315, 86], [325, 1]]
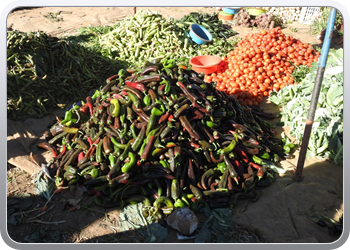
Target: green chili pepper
[[159, 187], [122, 73], [231, 146], [155, 111], [69, 169], [179, 203], [184, 199], [139, 139], [162, 199], [87, 170], [112, 159], [221, 166], [58, 136], [147, 100], [117, 144], [132, 161], [167, 86], [98, 134], [122, 114], [132, 130], [69, 123], [257, 160], [58, 181], [151, 122], [95, 172], [175, 189], [124, 155], [99, 151], [165, 164], [168, 64], [265, 156], [210, 124], [96, 94], [134, 99], [115, 107], [67, 117]]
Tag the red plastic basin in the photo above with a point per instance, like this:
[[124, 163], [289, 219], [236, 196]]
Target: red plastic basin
[[205, 64]]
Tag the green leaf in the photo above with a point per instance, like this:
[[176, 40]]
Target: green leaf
[[335, 95]]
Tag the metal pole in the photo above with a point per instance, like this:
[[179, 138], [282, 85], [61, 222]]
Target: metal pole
[[315, 94]]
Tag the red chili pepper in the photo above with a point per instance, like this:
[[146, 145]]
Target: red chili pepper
[[254, 165], [123, 92], [162, 87], [171, 118], [97, 140], [111, 78], [163, 117], [89, 104], [90, 141], [147, 148], [49, 147], [238, 165], [116, 122], [212, 186], [58, 119], [198, 115], [64, 148], [239, 127], [92, 148], [84, 109], [232, 132], [80, 156], [242, 154], [115, 95], [200, 108], [137, 86]]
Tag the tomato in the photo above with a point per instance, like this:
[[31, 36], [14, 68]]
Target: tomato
[[261, 63]]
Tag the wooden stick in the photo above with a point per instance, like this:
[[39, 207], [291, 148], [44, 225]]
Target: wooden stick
[[47, 222]]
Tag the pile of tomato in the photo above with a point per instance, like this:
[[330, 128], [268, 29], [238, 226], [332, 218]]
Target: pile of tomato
[[260, 63]]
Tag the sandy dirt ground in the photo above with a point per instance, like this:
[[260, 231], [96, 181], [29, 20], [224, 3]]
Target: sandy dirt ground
[[68, 19], [92, 224]]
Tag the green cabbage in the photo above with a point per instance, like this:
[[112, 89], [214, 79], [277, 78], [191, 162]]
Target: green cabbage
[[326, 139]]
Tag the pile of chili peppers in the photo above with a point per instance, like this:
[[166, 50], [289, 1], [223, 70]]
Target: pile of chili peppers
[[45, 73], [162, 136]]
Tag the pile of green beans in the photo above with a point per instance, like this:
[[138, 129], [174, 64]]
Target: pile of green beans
[[162, 136], [148, 35], [45, 73]]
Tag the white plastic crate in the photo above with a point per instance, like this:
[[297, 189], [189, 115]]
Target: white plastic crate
[[308, 14]]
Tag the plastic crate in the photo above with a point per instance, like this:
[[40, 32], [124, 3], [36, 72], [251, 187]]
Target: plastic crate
[[308, 14]]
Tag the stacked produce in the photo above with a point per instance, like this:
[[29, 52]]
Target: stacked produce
[[212, 23], [163, 136], [45, 72], [287, 14], [262, 21], [148, 35], [260, 63], [327, 135]]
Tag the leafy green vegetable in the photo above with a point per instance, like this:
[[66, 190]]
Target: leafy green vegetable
[[326, 139]]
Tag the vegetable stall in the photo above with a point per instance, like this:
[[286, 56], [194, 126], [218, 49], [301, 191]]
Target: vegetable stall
[[141, 126]]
